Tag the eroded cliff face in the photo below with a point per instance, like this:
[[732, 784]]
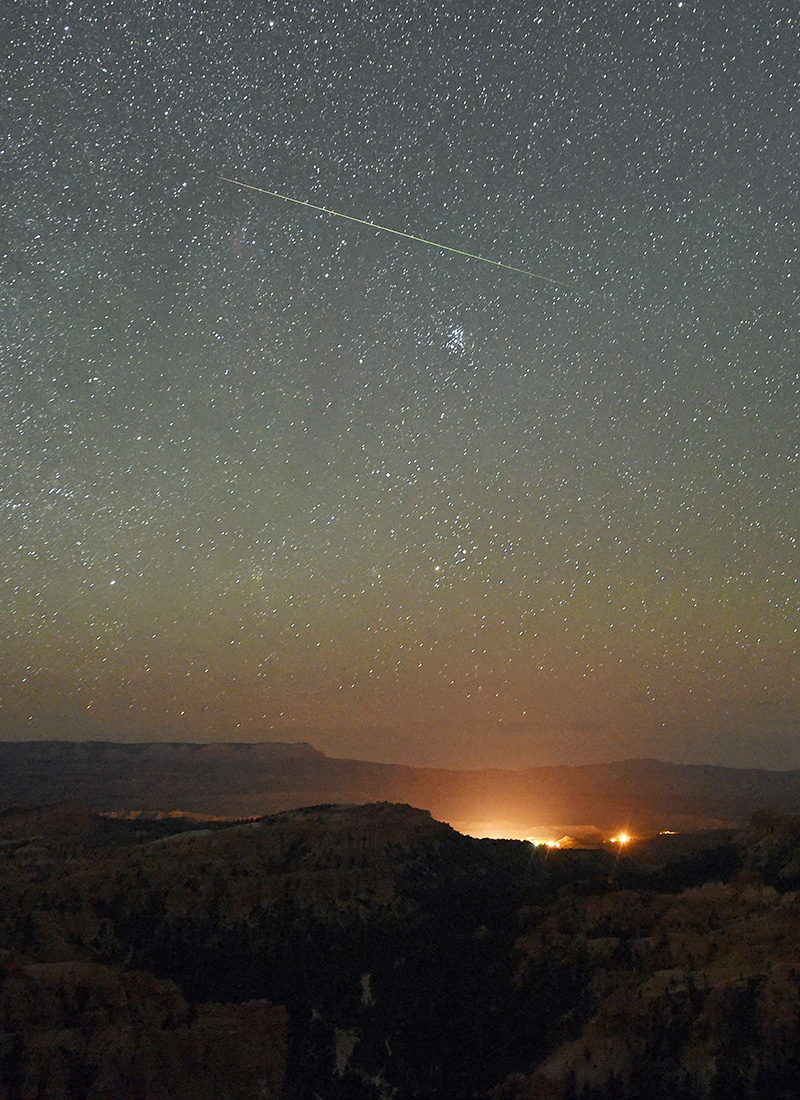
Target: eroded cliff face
[[694, 994], [385, 935], [408, 961], [81, 1031]]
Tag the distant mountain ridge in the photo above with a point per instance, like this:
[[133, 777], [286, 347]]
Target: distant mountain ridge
[[249, 779]]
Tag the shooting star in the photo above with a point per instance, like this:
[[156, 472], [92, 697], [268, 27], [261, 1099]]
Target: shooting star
[[400, 233]]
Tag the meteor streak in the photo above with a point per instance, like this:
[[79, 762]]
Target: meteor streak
[[400, 233]]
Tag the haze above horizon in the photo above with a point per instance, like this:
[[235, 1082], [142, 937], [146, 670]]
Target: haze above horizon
[[268, 473]]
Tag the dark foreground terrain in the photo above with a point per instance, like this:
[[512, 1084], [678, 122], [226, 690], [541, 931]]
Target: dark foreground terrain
[[364, 952]]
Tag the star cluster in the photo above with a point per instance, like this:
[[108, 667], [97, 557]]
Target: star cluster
[[266, 473]]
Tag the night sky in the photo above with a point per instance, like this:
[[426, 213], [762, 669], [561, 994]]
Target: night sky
[[268, 474]]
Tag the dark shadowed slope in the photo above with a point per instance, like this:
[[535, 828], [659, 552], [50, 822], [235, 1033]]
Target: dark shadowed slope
[[363, 952]]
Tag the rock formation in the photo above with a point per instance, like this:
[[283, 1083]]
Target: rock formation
[[367, 952], [82, 1031]]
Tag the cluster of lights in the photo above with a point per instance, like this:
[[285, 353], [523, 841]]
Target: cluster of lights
[[620, 838]]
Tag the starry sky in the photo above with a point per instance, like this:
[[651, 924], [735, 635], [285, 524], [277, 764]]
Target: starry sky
[[268, 474]]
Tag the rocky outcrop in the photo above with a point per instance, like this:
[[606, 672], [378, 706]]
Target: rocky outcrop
[[378, 928], [76, 1031], [694, 994], [411, 961]]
